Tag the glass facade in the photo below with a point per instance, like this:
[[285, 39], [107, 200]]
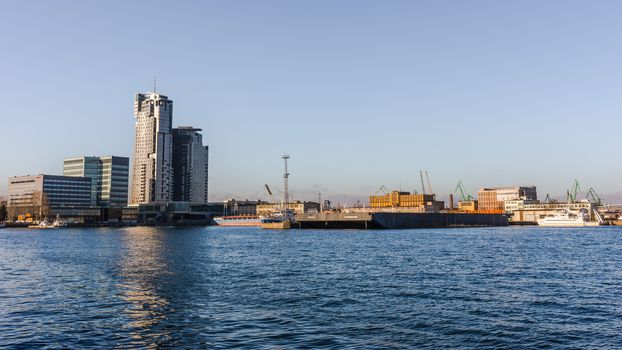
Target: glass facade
[[109, 174]]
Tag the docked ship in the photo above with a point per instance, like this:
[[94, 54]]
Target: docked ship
[[567, 219], [238, 220], [278, 219]]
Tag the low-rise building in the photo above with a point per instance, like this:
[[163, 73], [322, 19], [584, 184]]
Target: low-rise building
[[516, 204], [495, 198], [298, 207], [241, 207], [43, 196], [399, 199], [530, 213], [468, 206]]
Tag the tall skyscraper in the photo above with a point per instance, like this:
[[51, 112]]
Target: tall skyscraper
[[109, 177], [152, 172], [190, 165]]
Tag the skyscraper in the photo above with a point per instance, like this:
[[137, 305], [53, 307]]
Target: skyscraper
[[190, 165], [109, 177], [152, 177]]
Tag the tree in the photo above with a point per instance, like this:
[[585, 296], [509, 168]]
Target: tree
[[2, 212]]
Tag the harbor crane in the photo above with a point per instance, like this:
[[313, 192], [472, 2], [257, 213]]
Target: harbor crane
[[460, 187], [428, 181], [571, 196], [382, 189], [427, 178], [595, 198], [269, 193]]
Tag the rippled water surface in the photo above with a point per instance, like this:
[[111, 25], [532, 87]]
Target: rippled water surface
[[227, 287]]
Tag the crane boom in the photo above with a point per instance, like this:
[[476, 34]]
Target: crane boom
[[595, 197], [460, 187], [428, 180]]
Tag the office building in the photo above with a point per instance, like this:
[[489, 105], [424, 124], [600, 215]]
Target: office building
[[190, 166], [42, 196], [152, 173], [109, 178]]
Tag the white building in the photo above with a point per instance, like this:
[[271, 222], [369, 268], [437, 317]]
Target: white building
[[516, 192], [152, 169]]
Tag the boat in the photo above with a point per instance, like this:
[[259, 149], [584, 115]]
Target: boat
[[238, 220], [46, 225], [567, 218], [278, 220], [43, 225], [2, 225]]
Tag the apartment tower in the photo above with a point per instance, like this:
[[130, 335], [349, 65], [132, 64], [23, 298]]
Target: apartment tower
[[190, 164], [152, 168]]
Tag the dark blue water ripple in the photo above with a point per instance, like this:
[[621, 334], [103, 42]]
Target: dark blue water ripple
[[518, 288]]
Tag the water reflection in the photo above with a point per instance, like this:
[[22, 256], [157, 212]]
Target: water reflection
[[144, 271]]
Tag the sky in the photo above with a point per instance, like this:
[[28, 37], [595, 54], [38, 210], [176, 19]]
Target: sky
[[359, 93]]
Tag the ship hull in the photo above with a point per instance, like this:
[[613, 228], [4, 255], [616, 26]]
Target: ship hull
[[237, 221], [380, 220], [570, 223]]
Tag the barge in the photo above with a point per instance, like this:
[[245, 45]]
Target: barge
[[398, 220]]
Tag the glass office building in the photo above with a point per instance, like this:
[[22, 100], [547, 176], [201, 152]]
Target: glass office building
[[109, 175], [39, 195]]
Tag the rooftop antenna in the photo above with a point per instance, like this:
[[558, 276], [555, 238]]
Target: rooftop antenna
[[154, 84]]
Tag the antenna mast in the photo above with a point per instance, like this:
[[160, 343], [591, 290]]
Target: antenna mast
[[285, 183], [154, 84]]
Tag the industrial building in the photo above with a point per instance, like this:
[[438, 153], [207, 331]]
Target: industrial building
[[242, 207], [298, 207], [399, 199], [494, 198]]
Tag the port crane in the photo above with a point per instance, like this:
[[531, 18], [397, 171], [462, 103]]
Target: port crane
[[460, 187], [270, 193], [382, 189], [595, 198], [571, 196], [427, 178]]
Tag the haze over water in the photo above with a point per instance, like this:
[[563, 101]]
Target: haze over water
[[224, 287]]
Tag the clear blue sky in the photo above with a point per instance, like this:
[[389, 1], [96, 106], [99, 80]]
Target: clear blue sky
[[360, 93]]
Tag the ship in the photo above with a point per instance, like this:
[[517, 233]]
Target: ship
[[278, 220], [397, 220], [567, 218], [238, 220]]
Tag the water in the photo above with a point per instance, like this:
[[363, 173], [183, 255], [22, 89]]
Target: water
[[227, 287]]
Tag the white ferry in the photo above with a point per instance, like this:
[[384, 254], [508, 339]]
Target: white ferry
[[567, 219]]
